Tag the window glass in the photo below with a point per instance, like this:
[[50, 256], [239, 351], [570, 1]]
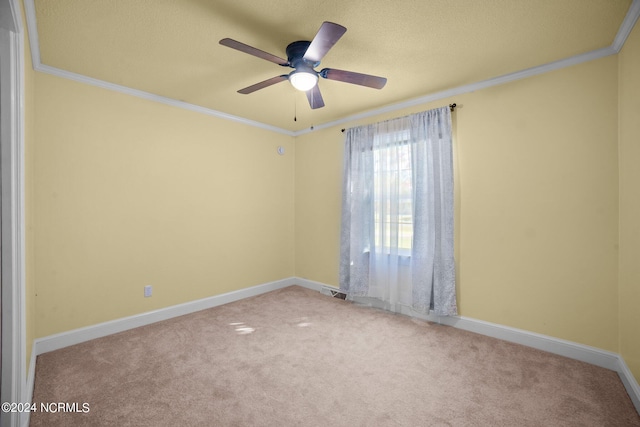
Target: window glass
[[393, 210]]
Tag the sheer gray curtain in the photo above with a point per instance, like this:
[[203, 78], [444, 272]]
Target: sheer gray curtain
[[397, 214]]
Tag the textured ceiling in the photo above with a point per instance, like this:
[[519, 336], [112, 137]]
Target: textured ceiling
[[170, 47]]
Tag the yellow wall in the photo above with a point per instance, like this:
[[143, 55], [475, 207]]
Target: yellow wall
[[318, 203], [537, 184], [629, 93], [129, 193]]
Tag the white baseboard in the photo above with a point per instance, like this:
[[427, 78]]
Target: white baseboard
[[630, 383], [25, 417], [584, 353], [76, 336], [572, 350], [315, 286]]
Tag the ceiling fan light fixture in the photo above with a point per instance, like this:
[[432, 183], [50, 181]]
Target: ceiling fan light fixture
[[303, 80], [304, 57]]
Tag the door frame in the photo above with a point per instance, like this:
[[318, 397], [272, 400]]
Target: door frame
[[12, 256]]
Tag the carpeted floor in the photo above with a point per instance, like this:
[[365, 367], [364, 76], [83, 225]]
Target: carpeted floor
[[294, 357]]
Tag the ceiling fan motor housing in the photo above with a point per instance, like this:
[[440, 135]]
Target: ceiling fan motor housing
[[295, 55]]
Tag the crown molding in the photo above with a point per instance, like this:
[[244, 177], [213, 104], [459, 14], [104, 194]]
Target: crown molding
[[627, 25], [32, 28], [495, 81], [156, 98], [32, 31], [623, 32]]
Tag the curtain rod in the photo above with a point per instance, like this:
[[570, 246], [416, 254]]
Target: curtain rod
[[451, 107]]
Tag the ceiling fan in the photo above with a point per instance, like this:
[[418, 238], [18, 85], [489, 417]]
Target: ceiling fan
[[303, 57]]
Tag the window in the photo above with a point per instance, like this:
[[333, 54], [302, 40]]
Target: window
[[393, 215], [396, 242]]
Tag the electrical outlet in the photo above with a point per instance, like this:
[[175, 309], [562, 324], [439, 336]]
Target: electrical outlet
[[148, 291]]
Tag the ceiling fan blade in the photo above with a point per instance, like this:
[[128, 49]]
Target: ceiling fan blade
[[354, 78], [233, 44], [328, 34], [315, 97], [263, 84]]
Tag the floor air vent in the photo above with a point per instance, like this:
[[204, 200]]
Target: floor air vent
[[333, 292]]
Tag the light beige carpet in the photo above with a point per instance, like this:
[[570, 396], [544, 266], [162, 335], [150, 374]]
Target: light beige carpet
[[294, 357]]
